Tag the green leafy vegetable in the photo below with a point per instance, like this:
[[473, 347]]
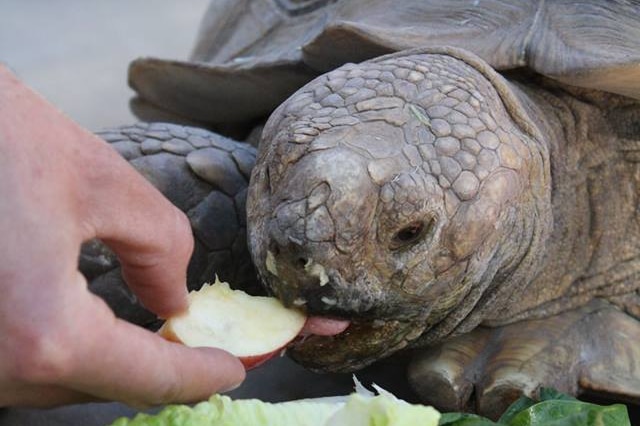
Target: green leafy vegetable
[[357, 410], [364, 408], [382, 410], [520, 405], [464, 419], [572, 413], [553, 409], [552, 394], [223, 411]]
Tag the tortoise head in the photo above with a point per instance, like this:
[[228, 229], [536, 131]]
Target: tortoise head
[[404, 193]]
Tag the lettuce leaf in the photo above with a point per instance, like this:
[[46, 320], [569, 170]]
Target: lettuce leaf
[[357, 410], [366, 408], [382, 410], [221, 410]]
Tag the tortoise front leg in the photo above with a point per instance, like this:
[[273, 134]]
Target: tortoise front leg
[[205, 175], [593, 350]]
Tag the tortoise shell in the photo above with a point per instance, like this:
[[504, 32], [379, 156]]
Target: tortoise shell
[[252, 54]]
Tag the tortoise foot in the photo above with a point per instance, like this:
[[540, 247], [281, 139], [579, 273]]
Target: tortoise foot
[[594, 350]]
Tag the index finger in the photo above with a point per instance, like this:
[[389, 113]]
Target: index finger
[[91, 185], [151, 237]]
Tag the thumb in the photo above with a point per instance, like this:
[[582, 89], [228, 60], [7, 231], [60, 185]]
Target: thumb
[[119, 361]]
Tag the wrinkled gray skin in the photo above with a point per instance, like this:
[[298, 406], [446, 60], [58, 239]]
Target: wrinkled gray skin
[[422, 195], [401, 189], [491, 221], [417, 188]]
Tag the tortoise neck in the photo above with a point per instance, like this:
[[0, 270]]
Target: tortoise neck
[[592, 250]]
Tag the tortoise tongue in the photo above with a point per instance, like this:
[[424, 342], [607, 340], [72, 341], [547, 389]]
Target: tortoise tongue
[[356, 347], [323, 326]]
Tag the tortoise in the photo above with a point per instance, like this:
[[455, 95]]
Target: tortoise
[[456, 178]]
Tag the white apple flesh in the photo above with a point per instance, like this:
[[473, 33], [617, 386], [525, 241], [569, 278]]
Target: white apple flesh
[[252, 328]]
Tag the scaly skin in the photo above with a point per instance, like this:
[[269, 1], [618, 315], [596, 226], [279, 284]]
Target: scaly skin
[[577, 320], [362, 155], [439, 145], [589, 350]]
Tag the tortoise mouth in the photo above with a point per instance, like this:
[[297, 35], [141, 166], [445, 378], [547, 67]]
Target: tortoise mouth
[[362, 343], [374, 324]]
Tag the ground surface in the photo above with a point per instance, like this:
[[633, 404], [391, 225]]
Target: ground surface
[[76, 54]]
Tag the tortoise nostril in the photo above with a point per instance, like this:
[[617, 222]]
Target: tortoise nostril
[[274, 248], [301, 262], [289, 254]]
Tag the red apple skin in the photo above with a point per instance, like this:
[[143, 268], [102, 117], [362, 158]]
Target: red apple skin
[[249, 362], [253, 361]]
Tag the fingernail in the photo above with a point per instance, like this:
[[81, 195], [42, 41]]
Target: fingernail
[[231, 388]]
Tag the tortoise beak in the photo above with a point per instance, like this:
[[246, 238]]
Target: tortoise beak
[[297, 278], [360, 345]]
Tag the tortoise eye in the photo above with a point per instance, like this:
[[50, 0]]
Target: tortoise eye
[[409, 234]]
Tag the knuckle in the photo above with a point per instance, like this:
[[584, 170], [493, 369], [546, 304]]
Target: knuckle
[[173, 240], [184, 236], [177, 240]]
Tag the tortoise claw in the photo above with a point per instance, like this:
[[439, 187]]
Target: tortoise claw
[[444, 375], [591, 350]]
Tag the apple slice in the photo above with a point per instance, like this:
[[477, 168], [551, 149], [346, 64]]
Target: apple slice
[[253, 328]]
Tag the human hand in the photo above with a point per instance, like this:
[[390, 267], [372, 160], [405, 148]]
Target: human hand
[[60, 186]]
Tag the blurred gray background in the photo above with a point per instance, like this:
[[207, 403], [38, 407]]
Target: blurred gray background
[[76, 53]]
